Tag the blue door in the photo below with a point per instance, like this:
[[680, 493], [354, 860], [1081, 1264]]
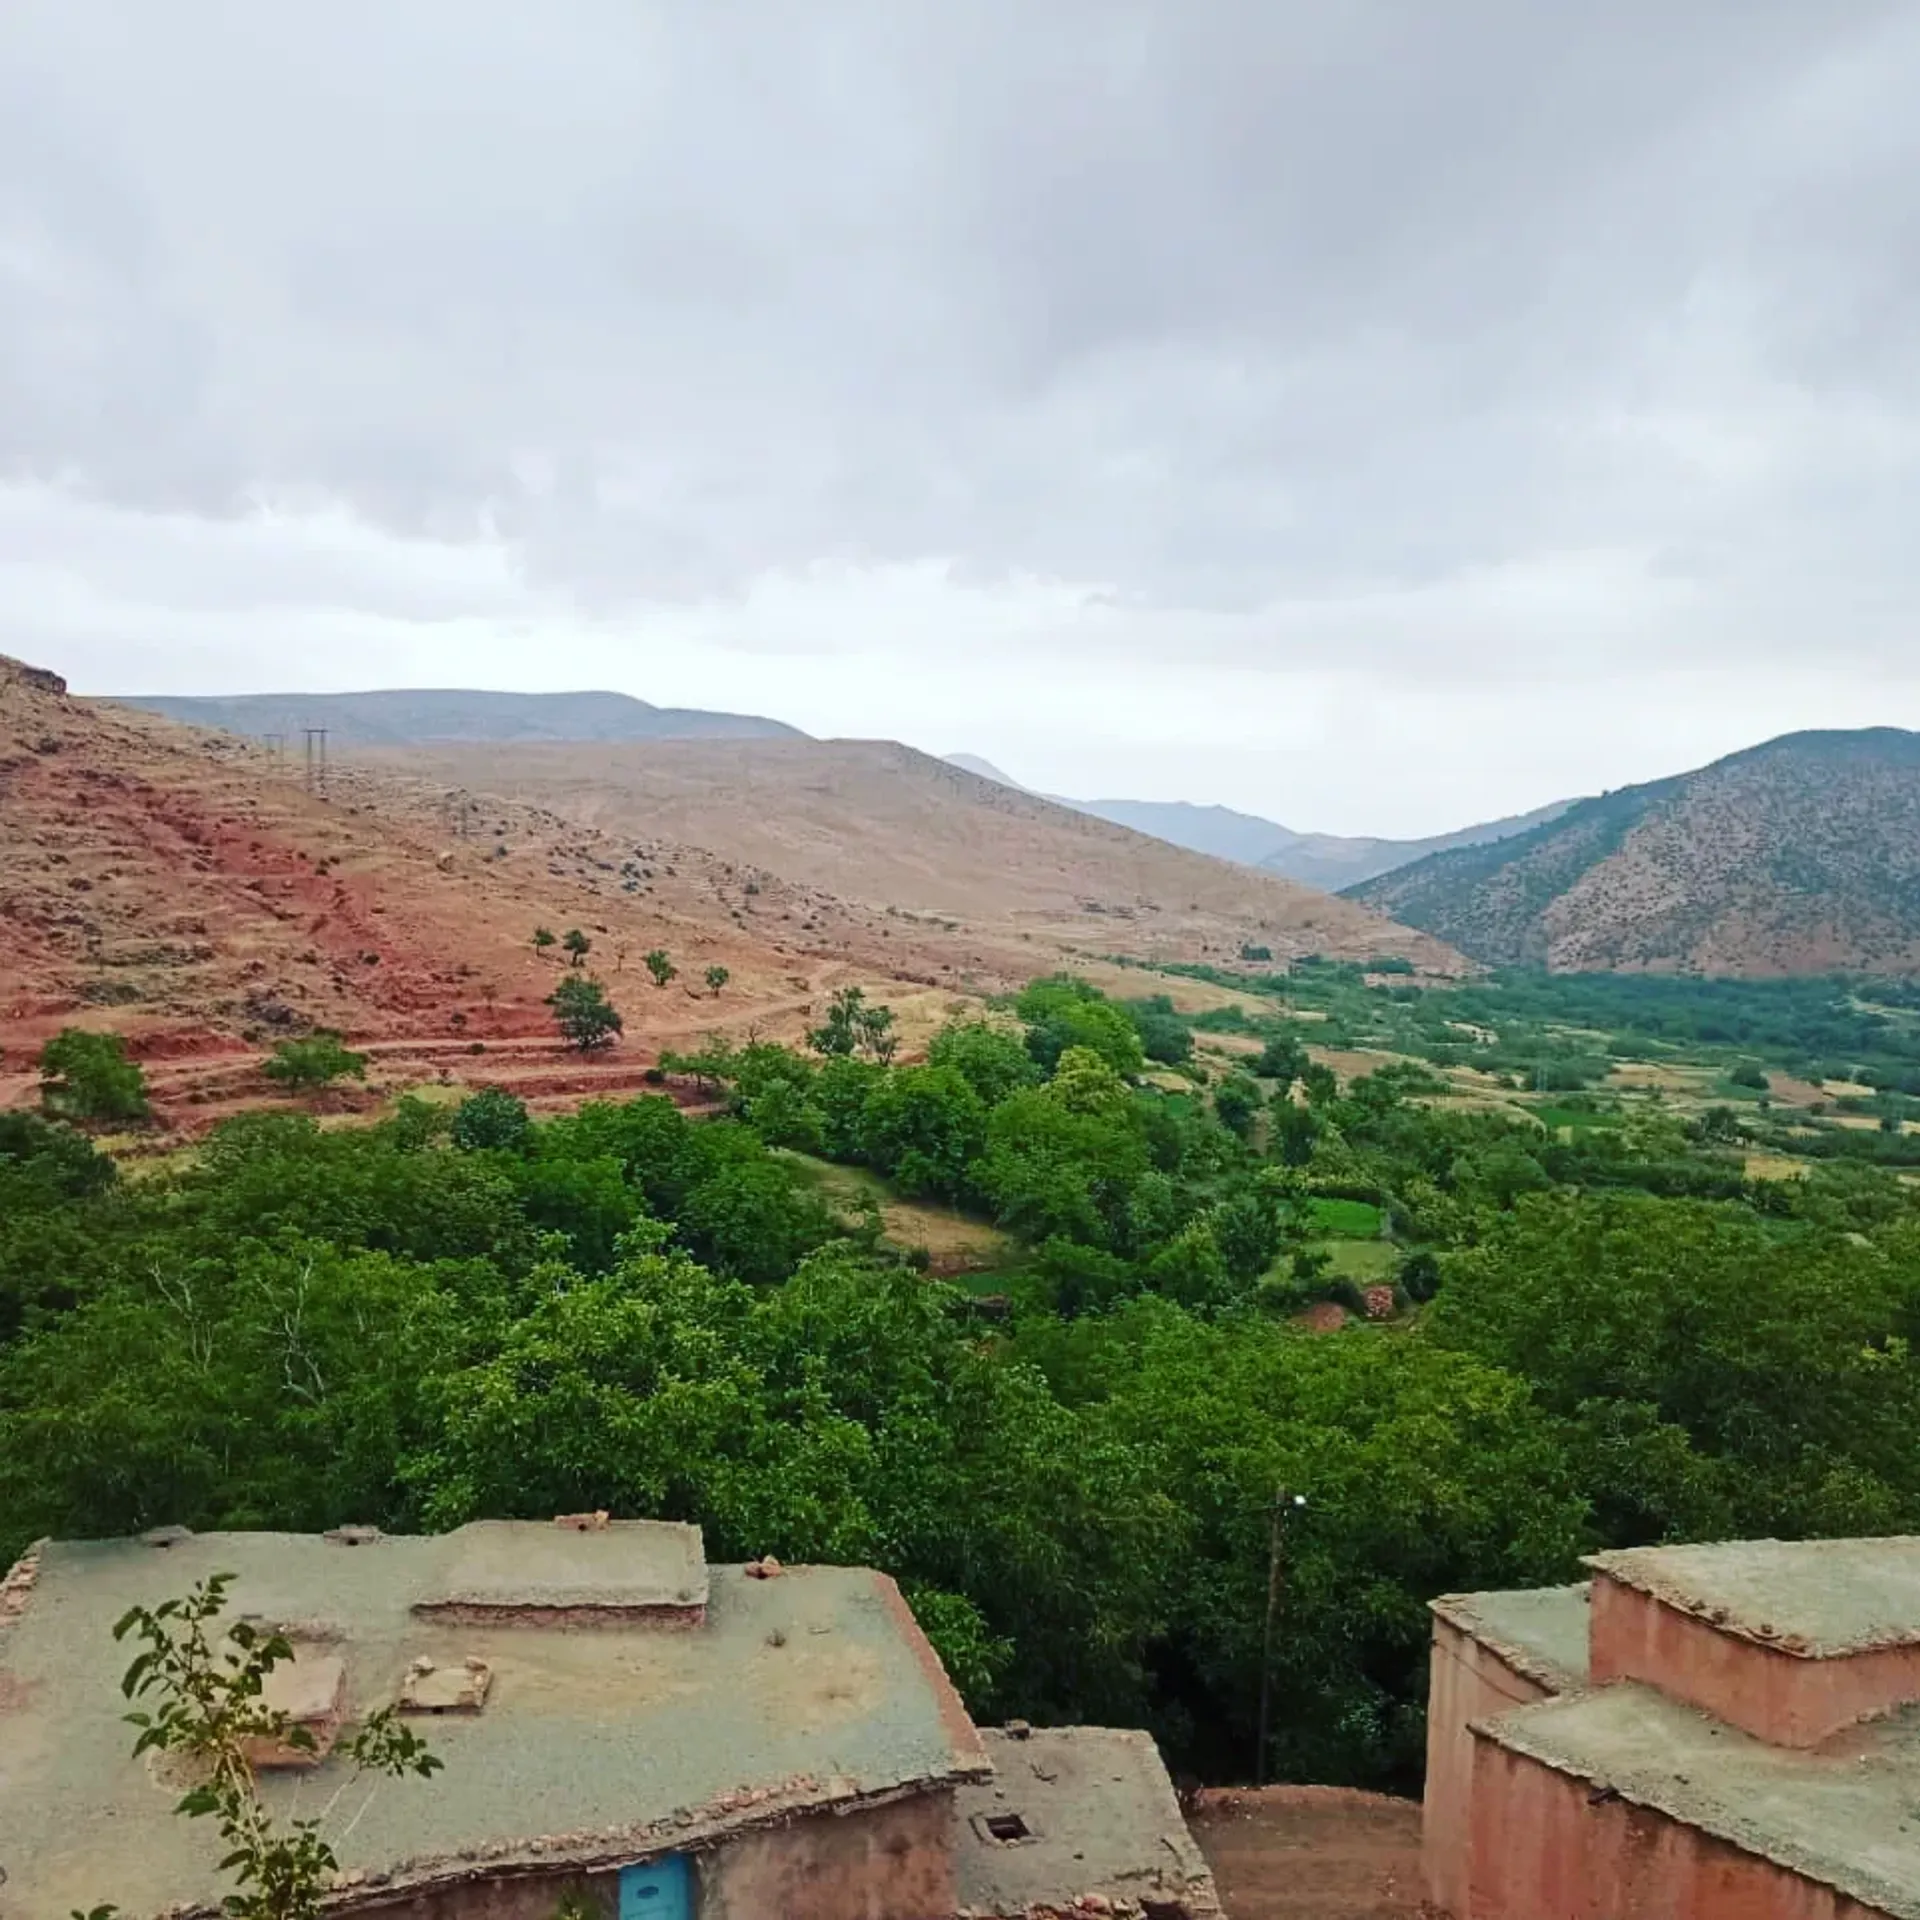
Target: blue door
[[660, 1890]]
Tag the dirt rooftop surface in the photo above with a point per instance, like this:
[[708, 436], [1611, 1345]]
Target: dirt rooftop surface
[[1540, 1631], [1798, 1595], [1846, 1815], [809, 1690], [1312, 1853], [1084, 1810]]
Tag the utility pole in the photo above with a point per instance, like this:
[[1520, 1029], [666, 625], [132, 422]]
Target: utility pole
[[1284, 1503], [316, 763]]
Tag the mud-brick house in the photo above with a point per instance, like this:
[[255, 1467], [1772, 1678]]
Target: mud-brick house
[[1722, 1732], [675, 1741]]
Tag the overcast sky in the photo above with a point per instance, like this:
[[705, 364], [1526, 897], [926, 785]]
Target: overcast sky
[[1378, 416]]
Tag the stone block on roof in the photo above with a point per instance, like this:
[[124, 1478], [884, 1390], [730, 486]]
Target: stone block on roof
[[625, 1567]]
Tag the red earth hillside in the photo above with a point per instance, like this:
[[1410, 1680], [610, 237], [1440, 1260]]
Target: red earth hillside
[[187, 890]]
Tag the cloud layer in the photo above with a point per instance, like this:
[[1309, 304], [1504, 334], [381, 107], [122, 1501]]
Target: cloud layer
[[1375, 415]]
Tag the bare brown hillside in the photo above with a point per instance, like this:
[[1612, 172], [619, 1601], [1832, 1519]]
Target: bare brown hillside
[[905, 833], [1799, 856], [185, 888]]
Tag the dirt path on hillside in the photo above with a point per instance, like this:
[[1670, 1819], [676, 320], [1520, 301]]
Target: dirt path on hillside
[[1311, 1853]]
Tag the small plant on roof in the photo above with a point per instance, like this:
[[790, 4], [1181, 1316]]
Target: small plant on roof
[[208, 1705]]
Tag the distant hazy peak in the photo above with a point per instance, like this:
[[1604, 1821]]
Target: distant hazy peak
[[972, 763]]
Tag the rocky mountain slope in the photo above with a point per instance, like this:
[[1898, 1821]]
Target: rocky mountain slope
[[396, 716], [1798, 856]]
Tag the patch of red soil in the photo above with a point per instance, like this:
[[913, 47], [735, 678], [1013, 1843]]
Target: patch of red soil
[[1311, 1853]]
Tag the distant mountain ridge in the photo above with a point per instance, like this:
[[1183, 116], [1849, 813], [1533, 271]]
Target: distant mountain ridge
[[1329, 861], [1801, 855], [392, 717]]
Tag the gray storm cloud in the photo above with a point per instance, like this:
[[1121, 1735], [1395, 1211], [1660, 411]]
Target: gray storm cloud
[[1499, 314]]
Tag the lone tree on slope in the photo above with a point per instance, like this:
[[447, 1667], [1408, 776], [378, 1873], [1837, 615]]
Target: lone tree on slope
[[660, 967], [587, 1019]]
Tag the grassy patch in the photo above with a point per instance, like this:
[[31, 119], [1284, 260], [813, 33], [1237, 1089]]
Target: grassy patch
[[1558, 1117], [1362, 1261], [957, 1244], [1345, 1219]]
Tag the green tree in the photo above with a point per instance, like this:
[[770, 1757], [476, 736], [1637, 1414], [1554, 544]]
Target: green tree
[[576, 946], [1062, 1012], [88, 1076], [660, 967], [717, 977], [207, 1705], [994, 1062], [543, 938], [314, 1061], [1236, 1104], [1282, 1059], [854, 1026], [587, 1019], [491, 1118], [1718, 1372], [924, 1127]]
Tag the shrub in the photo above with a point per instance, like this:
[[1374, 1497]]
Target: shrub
[[313, 1062], [87, 1076], [491, 1118]]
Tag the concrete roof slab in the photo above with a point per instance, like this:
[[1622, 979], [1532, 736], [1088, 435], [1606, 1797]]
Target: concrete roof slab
[[1821, 1599], [626, 1565]]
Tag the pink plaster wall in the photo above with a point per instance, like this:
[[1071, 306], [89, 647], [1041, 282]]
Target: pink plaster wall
[[1782, 1698], [1542, 1850], [882, 1863], [889, 1863], [1469, 1682]]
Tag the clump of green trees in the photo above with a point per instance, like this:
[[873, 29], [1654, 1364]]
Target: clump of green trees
[[1623, 1339]]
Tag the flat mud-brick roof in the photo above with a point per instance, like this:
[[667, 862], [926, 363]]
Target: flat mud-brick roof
[[1541, 1632], [1072, 1812], [812, 1691], [1822, 1599], [1846, 1816]]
